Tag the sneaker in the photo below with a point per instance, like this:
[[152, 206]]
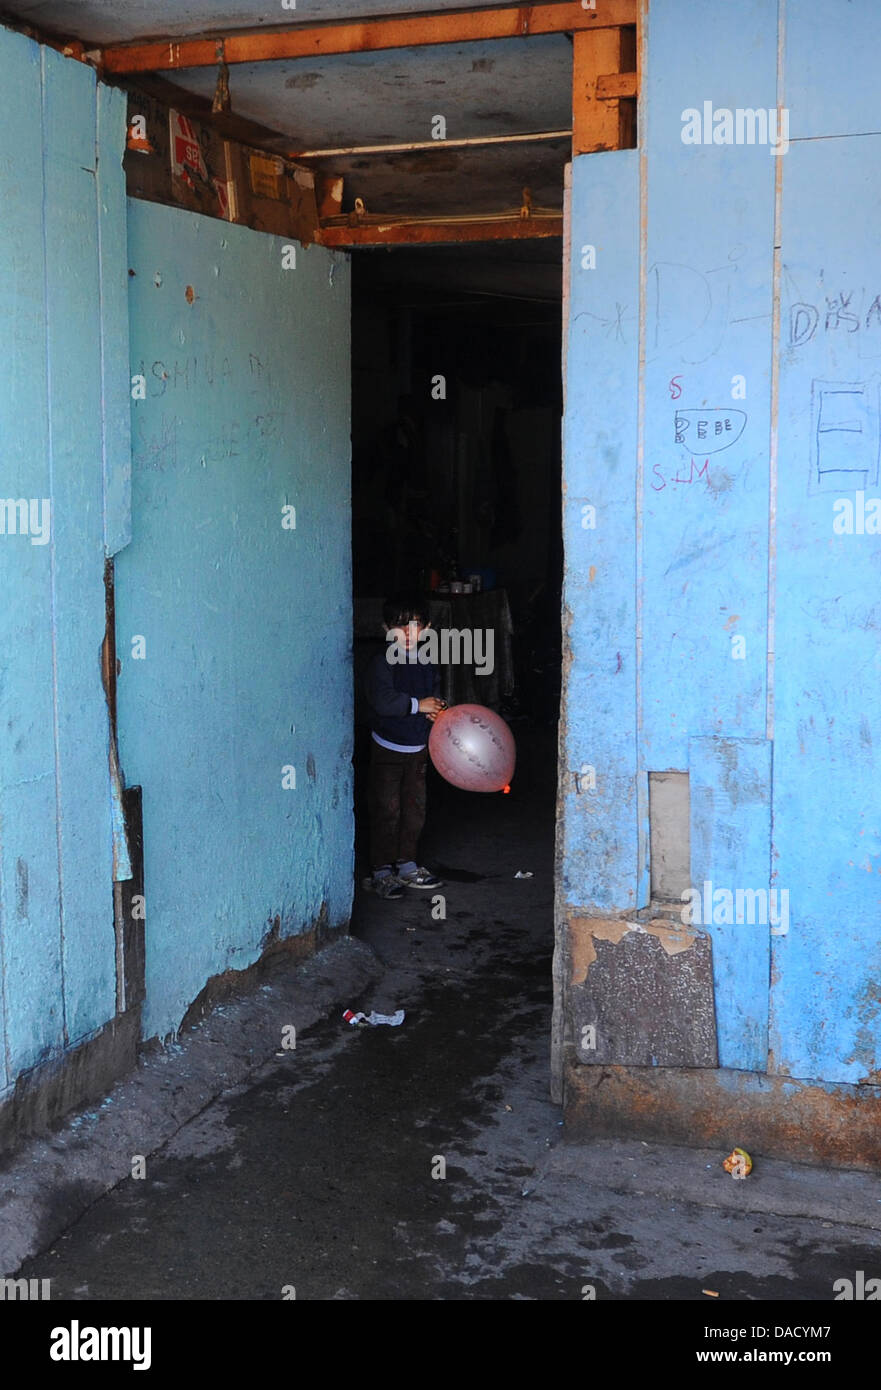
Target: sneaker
[[419, 878], [386, 886]]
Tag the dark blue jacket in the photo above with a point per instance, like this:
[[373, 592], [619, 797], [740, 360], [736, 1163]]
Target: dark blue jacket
[[390, 689]]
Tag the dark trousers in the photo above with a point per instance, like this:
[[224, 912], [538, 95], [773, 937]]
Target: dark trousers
[[396, 800]]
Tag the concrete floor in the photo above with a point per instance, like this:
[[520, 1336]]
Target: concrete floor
[[315, 1171]]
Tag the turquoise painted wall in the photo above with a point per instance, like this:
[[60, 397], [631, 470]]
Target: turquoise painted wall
[[696, 546], [63, 437], [247, 625]]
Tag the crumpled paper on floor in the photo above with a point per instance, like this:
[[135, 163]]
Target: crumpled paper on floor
[[392, 1020]]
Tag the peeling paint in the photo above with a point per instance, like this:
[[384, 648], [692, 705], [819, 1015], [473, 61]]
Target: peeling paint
[[582, 934], [584, 931], [673, 938]]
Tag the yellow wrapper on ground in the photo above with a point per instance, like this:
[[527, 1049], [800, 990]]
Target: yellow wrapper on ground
[[738, 1164]]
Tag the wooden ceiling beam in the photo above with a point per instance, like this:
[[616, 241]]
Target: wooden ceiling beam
[[437, 233], [617, 85], [228, 124], [599, 88], [408, 31]]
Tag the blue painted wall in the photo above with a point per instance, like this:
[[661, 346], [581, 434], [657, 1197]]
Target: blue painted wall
[[64, 438], [599, 838], [826, 1000], [697, 547], [247, 625]]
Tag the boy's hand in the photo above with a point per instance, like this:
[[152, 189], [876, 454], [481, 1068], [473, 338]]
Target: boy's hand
[[431, 707]]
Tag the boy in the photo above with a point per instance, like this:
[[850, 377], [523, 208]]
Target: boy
[[402, 693]]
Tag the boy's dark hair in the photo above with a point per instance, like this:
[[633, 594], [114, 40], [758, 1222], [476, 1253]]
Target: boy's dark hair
[[403, 609]]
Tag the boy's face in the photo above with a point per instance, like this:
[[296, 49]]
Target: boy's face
[[407, 633]]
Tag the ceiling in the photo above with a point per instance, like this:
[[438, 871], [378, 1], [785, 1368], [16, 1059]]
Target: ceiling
[[120, 21], [500, 88], [510, 86], [507, 85]]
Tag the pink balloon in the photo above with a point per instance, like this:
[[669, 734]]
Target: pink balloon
[[473, 748]]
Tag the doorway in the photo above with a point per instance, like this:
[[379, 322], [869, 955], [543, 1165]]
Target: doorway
[[456, 476]]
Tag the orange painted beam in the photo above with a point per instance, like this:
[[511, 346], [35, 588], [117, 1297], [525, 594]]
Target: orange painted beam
[[595, 118], [617, 85], [409, 31], [437, 233]]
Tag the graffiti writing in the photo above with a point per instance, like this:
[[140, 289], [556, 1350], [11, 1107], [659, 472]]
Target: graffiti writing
[[713, 429], [840, 313], [845, 434], [694, 475]]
